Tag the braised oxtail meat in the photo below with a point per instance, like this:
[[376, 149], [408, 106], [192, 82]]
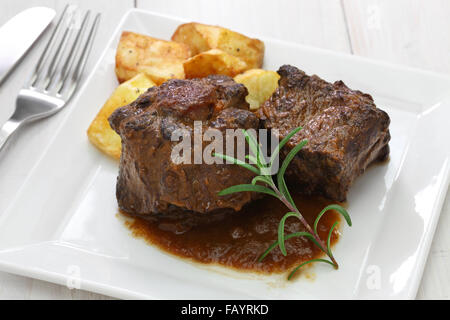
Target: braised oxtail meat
[[345, 131], [149, 181]]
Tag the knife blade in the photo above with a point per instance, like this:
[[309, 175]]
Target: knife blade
[[19, 33]]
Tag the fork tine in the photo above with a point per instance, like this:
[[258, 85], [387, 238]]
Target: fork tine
[[70, 58], [44, 56], [84, 56], [56, 58], [86, 50]]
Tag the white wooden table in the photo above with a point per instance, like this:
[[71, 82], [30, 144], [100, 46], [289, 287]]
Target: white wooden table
[[410, 32]]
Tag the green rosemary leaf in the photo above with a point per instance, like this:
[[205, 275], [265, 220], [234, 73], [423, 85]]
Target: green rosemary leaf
[[289, 157], [337, 208], [309, 261], [287, 237], [284, 191], [238, 162], [283, 142], [252, 159], [264, 179], [281, 231], [247, 187], [251, 142], [255, 148], [280, 176], [330, 254]]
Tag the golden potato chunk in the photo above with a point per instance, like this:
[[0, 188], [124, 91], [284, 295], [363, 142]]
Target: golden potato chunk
[[260, 85], [159, 59], [100, 132], [202, 37], [213, 61]]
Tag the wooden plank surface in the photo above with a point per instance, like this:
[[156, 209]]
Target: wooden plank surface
[[408, 32], [318, 23]]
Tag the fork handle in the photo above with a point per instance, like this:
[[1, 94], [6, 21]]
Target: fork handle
[[6, 131]]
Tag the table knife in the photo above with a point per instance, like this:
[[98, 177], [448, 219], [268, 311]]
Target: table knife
[[19, 33]]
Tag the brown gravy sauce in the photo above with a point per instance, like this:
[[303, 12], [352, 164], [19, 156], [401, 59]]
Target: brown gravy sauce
[[237, 240]]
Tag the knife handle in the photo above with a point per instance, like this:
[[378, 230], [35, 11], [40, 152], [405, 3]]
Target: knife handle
[[7, 130]]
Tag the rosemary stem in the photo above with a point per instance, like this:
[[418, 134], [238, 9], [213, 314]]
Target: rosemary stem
[[305, 223]]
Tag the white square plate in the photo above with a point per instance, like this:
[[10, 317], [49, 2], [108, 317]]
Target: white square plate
[[62, 226]]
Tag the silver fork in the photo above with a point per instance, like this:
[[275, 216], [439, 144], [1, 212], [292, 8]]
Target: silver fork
[[53, 84]]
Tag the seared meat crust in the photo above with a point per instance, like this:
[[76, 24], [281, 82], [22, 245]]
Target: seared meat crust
[[345, 131], [149, 182]]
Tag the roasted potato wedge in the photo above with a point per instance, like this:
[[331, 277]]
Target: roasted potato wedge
[[260, 85], [202, 37], [100, 132], [213, 61], [159, 59]]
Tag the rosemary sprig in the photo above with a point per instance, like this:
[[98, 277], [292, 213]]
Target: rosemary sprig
[[262, 169]]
